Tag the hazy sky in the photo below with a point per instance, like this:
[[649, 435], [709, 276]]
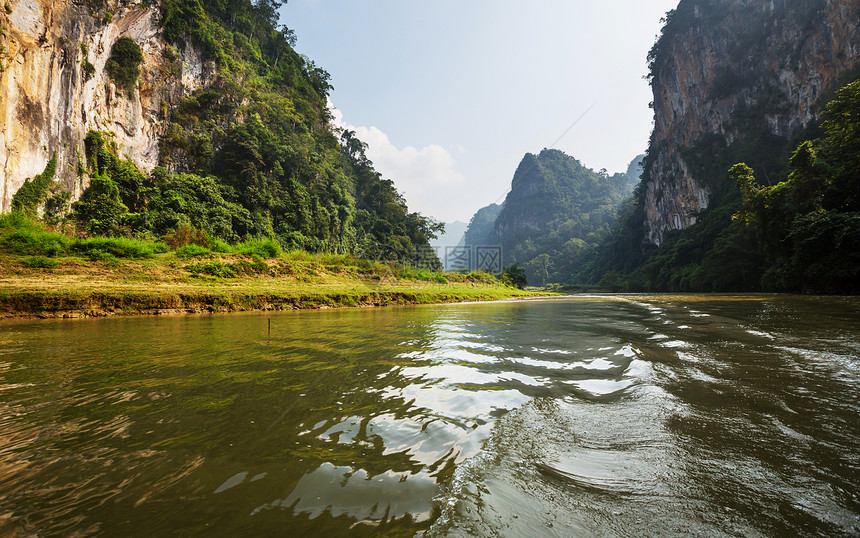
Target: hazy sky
[[450, 94]]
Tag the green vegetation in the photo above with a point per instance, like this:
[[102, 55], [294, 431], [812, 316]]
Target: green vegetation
[[264, 248], [261, 138], [800, 235], [88, 70], [808, 226], [46, 273], [250, 160], [514, 275], [39, 262], [22, 236], [34, 192], [117, 247], [123, 66]]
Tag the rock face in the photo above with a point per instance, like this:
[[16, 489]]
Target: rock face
[[48, 102], [732, 70]]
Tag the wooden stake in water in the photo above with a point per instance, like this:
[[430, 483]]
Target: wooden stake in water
[[270, 326]]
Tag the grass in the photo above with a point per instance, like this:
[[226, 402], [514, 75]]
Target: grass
[[34, 243], [265, 248], [47, 274], [118, 247], [39, 262], [192, 251]]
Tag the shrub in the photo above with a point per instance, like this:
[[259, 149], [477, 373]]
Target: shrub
[[423, 274], [87, 69], [514, 276], [265, 248], [255, 267], [187, 235], [34, 192], [220, 246], [119, 247], [57, 206], [100, 208], [17, 221], [365, 265], [97, 255], [196, 202], [34, 242], [481, 276], [123, 66]]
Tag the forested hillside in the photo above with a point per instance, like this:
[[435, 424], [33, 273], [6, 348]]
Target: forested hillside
[[556, 212], [250, 154], [482, 227]]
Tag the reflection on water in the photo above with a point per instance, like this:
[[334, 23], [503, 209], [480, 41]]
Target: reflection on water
[[590, 415]]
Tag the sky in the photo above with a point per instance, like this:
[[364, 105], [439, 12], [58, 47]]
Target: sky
[[450, 95]]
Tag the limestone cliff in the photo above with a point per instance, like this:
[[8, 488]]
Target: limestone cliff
[[734, 73], [54, 88]]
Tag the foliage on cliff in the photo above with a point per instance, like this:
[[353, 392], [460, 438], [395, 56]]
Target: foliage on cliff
[[123, 66], [34, 191]]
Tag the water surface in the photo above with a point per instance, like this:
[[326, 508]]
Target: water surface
[[610, 416]]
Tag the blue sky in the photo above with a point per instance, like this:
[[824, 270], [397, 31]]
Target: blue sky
[[450, 95]]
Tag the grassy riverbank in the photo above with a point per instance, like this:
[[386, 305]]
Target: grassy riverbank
[[48, 274]]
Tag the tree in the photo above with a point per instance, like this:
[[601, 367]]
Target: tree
[[514, 275], [841, 148], [540, 265], [751, 194], [807, 226], [100, 208]]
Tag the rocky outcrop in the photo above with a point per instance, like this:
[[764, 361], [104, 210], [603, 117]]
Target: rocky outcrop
[[54, 88], [732, 70]]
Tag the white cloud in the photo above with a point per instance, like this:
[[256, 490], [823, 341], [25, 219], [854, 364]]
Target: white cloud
[[426, 177]]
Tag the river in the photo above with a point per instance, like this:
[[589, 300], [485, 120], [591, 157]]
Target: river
[[580, 416]]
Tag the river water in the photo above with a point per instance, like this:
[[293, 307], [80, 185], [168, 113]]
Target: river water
[[582, 416]]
